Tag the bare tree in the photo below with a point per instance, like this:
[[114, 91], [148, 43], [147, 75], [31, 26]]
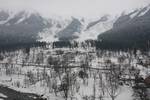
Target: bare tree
[[112, 83]]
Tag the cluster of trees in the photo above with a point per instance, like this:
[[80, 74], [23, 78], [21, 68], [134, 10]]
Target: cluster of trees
[[60, 79], [19, 45], [74, 44], [107, 42], [119, 41]]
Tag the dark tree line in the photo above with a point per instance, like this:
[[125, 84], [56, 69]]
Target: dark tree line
[[26, 46]]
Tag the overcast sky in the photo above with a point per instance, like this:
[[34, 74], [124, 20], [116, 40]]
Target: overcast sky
[[75, 7]]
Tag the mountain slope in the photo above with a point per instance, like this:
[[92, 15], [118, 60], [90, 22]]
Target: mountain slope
[[77, 29], [25, 26], [20, 27], [70, 30], [92, 29], [129, 31]]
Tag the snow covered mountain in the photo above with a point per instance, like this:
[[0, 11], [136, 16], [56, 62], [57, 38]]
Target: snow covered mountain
[[135, 16], [92, 28], [82, 29], [20, 27], [28, 26], [132, 29]]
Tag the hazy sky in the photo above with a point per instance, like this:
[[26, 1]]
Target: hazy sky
[[74, 7]]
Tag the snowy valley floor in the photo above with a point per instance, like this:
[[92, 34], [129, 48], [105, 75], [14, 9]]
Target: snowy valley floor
[[72, 74]]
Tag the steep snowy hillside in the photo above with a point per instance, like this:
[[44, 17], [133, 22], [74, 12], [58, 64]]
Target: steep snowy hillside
[[92, 28], [77, 28], [20, 27], [28, 26], [57, 24], [129, 30], [68, 33], [135, 16]]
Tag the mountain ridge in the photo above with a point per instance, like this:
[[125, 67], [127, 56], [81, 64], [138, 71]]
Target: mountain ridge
[[129, 31]]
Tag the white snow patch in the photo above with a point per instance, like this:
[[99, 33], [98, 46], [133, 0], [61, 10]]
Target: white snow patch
[[95, 30], [2, 95], [126, 94], [143, 13], [134, 14], [11, 16]]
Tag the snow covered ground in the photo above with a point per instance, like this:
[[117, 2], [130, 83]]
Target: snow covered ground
[[32, 77]]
